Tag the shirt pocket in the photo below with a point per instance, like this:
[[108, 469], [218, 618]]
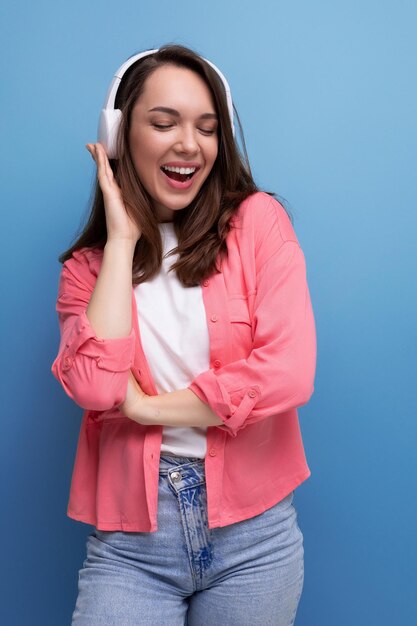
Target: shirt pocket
[[241, 327]]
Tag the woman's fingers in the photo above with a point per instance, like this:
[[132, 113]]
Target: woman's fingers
[[101, 159], [104, 171], [118, 222], [134, 394]]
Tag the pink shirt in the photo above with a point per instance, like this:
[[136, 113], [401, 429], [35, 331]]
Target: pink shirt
[[262, 364]]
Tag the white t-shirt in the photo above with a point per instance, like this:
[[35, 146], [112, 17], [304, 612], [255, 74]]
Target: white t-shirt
[[175, 339]]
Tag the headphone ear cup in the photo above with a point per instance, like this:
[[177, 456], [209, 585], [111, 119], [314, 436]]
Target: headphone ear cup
[[108, 129]]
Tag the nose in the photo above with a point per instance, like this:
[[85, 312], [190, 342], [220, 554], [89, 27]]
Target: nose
[[187, 142]]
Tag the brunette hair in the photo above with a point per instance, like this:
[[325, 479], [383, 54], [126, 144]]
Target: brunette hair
[[203, 225]]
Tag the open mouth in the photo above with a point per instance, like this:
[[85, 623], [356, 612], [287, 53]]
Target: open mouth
[[181, 174]]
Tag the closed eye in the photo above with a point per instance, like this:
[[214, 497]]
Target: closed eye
[[205, 131]]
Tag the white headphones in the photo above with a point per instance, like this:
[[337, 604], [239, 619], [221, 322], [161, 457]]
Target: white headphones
[[110, 117]]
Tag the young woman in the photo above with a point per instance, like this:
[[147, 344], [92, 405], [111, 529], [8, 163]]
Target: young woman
[[187, 335]]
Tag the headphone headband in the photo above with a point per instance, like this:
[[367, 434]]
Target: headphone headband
[[110, 117]]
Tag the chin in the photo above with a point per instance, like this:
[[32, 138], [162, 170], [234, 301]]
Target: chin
[[178, 205]]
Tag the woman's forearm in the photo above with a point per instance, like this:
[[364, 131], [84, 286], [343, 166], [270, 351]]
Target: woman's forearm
[[110, 308], [176, 408]]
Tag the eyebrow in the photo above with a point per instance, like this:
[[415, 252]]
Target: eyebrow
[[204, 116]]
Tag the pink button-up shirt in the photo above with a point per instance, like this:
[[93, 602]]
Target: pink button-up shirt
[[262, 363]]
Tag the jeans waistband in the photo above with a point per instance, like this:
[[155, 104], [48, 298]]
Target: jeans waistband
[[167, 463]]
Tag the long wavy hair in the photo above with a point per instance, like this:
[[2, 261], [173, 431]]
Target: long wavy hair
[[203, 225]]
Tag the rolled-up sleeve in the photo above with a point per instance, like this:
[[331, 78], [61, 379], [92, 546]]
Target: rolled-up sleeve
[[278, 374], [93, 372]]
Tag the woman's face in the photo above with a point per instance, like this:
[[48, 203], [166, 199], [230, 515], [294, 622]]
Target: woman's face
[[173, 138]]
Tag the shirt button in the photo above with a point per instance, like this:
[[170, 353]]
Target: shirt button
[[67, 363], [212, 452], [175, 477], [206, 283], [217, 363], [214, 318], [252, 393]]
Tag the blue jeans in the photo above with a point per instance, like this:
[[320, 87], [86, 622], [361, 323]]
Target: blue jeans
[[246, 574]]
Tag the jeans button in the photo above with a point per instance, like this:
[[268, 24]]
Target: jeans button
[[175, 476]]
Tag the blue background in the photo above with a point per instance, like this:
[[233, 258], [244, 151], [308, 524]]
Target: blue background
[[327, 96]]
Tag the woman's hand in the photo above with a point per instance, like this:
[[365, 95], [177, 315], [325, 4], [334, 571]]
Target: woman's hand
[[119, 224], [134, 396]]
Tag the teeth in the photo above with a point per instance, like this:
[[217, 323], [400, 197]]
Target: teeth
[[179, 170]]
